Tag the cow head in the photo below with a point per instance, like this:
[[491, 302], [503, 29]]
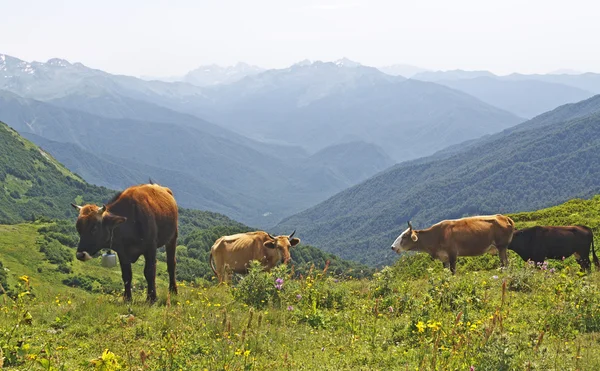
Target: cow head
[[407, 240], [282, 245], [95, 226]]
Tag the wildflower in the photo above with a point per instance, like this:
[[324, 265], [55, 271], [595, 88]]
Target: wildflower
[[279, 283], [290, 308], [24, 278], [246, 353], [238, 352], [420, 326], [298, 296], [495, 277], [391, 309], [472, 368], [434, 325], [552, 270]]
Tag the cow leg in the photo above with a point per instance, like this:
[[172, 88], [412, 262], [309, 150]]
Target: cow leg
[[172, 263], [585, 264], [452, 262], [503, 254], [127, 276], [150, 274]]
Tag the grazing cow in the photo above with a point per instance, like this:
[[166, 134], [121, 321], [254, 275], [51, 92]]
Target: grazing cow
[[236, 251], [449, 239], [135, 222], [538, 243]]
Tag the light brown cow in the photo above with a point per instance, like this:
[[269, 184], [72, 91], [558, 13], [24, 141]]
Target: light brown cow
[[234, 253], [449, 239]]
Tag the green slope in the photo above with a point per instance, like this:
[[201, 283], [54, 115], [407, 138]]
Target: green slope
[[34, 184], [536, 165]]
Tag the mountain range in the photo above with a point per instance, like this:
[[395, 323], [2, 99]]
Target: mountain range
[[318, 104], [542, 162], [524, 95], [210, 171], [275, 143]]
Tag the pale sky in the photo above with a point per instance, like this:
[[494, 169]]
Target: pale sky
[[164, 38]]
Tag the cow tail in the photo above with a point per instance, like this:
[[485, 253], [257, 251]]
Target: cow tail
[[596, 261], [212, 263]]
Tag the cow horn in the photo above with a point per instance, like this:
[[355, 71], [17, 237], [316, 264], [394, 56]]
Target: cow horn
[[292, 235], [77, 206], [102, 209], [410, 225], [271, 237]]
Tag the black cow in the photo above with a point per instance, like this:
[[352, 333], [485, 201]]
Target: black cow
[[541, 242]]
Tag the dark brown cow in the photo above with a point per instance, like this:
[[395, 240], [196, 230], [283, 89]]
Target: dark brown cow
[[135, 222], [541, 242], [236, 251], [449, 239]]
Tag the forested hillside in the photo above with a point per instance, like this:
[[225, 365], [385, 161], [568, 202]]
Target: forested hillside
[[33, 184], [536, 164]]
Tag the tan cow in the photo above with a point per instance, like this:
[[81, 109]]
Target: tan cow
[[449, 239], [234, 253]]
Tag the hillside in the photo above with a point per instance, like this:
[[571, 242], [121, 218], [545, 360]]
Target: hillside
[[34, 184], [534, 165], [412, 315]]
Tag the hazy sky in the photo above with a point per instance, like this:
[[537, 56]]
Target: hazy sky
[[162, 38]]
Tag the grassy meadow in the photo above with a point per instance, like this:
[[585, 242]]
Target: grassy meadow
[[411, 316]]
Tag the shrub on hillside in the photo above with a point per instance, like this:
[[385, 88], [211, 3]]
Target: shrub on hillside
[[56, 253]]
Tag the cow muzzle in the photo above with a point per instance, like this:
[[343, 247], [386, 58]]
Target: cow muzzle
[[83, 256]]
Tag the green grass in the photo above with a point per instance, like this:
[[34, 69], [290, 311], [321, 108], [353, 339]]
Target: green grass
[[413, 315]]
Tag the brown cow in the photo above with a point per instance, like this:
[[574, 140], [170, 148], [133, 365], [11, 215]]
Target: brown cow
[[236, 251], [449, 239], [540, 242], [135, 222]]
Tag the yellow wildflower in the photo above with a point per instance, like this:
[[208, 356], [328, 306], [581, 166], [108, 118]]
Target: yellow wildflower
[[434, 325], [24, 278], [420, 326]]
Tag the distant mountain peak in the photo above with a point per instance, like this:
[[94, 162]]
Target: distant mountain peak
[[57, 62], [214, 74], [345, 62]]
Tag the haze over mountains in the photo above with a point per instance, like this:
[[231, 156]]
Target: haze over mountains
[[524, 95], [258, 145]]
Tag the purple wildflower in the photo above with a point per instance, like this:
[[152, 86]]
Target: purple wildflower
[[495, 277], [279, 283], [298, 296], [472, 368], [290, 308], [552, 270]]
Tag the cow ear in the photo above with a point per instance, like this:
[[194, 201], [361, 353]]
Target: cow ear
[[414, 237], [112, 220], [294, 241], [269, 244]]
